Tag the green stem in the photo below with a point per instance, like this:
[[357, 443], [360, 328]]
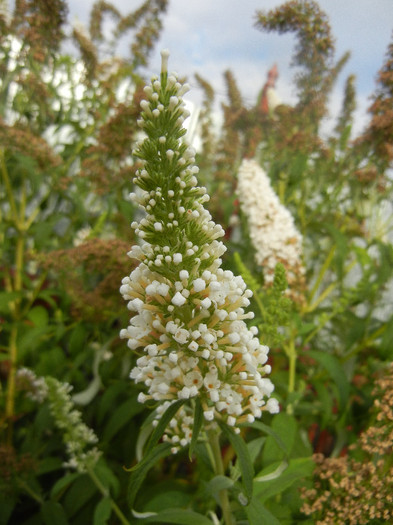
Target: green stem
[[259, 303], [214, 441], [290, 350], [366, 342], [321, 297], [13, 348], [106, 494], [281, 190], [34, 294], [10, 399], [8, 187], [30, 491], [322, 272]]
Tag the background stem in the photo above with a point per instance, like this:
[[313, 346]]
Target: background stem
[[214, 440], [106, 494]]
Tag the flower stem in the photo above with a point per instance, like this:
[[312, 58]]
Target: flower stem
[[322, 272], [10, 400], [214, 441], [106, 494], [290, 350]]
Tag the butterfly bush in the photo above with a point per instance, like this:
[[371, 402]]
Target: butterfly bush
[[34, 387], [272, 229], [77, 436], [188, 327]]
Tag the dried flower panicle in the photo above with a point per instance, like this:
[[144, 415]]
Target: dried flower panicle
[[189, 325], [272, 229], [20, 140], [39, 23], [313, 52], [347, 490], [378, 438], [93, 293], [145, 22], [379, 132], [228, 147], [87, 50], [13, 468]]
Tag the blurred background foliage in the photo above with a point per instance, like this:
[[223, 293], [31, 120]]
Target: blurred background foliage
[[68, 111]]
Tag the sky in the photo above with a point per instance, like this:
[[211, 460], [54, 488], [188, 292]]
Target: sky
[[211, 36]]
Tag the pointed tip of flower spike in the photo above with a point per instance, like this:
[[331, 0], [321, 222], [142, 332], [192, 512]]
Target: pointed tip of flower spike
[[164, 60]]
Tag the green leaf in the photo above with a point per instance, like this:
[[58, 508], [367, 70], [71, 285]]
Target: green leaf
[[53, 513], [178, 516], [47, 296], [342, 247], [107, 477], [108, 399], [78, 495], [334, 368], [298, 469], [196, 428], [62, 484], [326, 399], [268, 430], [279, 445], [218, 483], [386, 346], [39, 316], [102, 512], [49, 464], [78, 339], [163, 422], [255, 447], [243, 456], [143, 436], [7, 505], [362, 254], [139, 472], [272, 474], [166, 500], [305, 328], [258, 515], [6, 299], [121, 416]]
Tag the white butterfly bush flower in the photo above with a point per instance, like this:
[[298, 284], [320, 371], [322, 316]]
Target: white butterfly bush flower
[[272, 229], [77, 436], [35, 387], [188, 326]]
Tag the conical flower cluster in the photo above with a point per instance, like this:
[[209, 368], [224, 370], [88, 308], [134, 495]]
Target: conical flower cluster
[[272, 229], [188, 326], [78, 438]]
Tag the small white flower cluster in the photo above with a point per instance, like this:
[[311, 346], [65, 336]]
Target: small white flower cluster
[[35, 387], [76, 435], [272, 229], [188, 324]]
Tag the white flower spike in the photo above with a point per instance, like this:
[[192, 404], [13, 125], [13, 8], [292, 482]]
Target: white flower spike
[[189, 325], [272, 229]]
